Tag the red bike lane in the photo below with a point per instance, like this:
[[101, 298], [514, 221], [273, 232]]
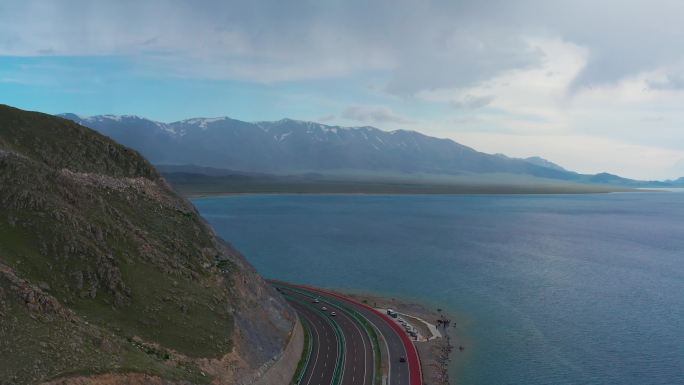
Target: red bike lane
[[415, 376]]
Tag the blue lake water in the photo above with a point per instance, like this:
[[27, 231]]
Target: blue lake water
[[550, 289]]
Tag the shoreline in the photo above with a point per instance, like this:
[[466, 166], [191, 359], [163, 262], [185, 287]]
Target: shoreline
[[201, 195], [198, 184], [435, 351]]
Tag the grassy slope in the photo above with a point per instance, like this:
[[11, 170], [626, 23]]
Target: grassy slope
[[90, 224], [36, 345]]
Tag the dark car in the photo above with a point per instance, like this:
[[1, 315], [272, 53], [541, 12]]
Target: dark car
[[402, 359]]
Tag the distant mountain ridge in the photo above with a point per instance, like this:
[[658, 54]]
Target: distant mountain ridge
[[294, 146]]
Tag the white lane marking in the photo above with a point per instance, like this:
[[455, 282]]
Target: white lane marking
[[363, 340], [318, 338], [387, 350], [345, 316], [403, 347], [365, 351], [322, 320]]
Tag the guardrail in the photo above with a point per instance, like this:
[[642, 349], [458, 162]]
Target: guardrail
[[306, 354]]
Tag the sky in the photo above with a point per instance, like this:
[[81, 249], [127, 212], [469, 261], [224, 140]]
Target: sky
[[591, 85]]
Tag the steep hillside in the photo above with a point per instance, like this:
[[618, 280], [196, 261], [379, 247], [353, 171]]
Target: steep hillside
[[103, 269], [291, 146]]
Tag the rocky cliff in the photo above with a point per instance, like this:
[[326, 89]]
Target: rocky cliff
[[108, 276]]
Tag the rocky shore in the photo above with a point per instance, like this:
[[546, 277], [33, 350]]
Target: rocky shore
[[435, 340]]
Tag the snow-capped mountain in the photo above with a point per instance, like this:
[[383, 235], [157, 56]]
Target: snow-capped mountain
[[299, 146]]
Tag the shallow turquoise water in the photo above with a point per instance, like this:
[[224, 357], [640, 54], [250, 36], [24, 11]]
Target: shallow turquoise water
[[581, 289]]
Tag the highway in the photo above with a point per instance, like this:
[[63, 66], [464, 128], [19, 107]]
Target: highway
[[324, 352], [394, 348], [356, 324]]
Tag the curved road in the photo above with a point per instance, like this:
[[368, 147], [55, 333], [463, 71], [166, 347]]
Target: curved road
[[358, 363], [324, 346], [358, 349]]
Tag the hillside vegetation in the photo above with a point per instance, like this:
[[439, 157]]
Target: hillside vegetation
[[103, 269]]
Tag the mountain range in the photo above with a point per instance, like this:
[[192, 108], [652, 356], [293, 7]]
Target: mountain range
[[290, 146]]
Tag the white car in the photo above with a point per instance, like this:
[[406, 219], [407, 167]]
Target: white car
[[332, 313], [324, 308], [315, 300]]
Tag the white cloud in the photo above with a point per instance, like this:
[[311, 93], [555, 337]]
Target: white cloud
[[527, 100], [470, 102], [606, 75], [424, 45], [373, 114], [325, 118], [603, 128], [678, 168], [419, 45], [583, 153]]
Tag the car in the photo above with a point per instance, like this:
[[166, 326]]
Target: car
[[332, 313], [324, 308], [402, 359], [315, 300]]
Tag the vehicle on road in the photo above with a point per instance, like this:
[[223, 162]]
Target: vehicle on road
[[332, 313], [315, 300], [324, 308], [402, 359]]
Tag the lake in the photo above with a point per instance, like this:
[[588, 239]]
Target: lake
[[547, 289]]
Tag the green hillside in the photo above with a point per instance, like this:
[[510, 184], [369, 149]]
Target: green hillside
[[104, 269]]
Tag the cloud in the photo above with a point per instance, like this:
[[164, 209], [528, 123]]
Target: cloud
[[470, 102], [678, 168], [670, 82], [582, 153], [326, 118], [625, 127], [421, 46], [543, 69], [373, 114]]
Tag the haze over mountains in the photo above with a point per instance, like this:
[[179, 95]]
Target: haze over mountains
[[291, 146]]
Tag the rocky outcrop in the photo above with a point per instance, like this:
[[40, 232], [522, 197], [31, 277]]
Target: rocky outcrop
[[282, 369], [106, 272]]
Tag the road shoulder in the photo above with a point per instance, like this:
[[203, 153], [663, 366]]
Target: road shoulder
[[282, 370]]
